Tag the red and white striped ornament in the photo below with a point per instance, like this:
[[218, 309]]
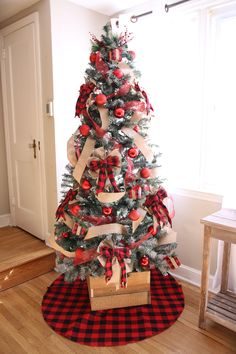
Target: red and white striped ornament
[[115, 54], [173, 262]]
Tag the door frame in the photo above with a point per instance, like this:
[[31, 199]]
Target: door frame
[[32, 18]]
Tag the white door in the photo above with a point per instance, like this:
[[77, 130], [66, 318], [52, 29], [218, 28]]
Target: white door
[[22, 115]]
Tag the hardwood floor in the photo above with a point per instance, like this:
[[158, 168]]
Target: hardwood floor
[[22, 257], [23, 330]]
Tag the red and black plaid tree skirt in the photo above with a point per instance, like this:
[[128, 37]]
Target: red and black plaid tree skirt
[[66, 309]]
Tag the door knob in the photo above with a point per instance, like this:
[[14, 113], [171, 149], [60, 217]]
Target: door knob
[[33, 146]]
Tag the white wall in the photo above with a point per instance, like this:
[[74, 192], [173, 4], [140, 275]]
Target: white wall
[[71, 25]]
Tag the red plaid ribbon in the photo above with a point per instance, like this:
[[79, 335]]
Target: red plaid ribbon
[[155, 203], [149, 106], [85, 91], [105, 168], [120, 253], [60, 210]]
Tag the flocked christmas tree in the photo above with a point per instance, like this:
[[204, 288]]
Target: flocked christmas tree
[[114, 205]]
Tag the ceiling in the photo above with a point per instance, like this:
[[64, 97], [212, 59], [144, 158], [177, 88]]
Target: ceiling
[[9, 8]]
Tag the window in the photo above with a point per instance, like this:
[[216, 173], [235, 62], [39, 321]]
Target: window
[[188, 62]]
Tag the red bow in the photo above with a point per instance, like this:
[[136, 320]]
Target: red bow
[[60, 210], [155, 203], [120, 253], [105, 170]]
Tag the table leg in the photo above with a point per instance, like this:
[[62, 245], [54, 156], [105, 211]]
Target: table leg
[[205, 276], [225, 267]]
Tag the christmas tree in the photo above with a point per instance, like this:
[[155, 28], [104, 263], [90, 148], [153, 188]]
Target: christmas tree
[[114, 205]]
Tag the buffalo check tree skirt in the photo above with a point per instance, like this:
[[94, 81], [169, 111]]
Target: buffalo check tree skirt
[[66, 309]]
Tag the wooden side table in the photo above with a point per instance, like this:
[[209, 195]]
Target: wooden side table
[[221, 308]]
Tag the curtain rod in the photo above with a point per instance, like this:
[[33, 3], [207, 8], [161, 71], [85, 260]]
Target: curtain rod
[[167, 7], [134, 18]]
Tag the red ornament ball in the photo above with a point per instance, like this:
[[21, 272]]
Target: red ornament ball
[[145, 172], [133, 152], [65, 234], [151, 229], [119, 112], [118, 73], [132, 54], [84, 129], [107, 211], [86, 185], [74, 209], [101, 99], [136, 128], [93, 57], [144, 261], [134, 215]]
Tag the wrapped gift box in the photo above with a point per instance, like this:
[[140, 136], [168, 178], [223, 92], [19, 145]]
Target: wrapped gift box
[[108, 296]]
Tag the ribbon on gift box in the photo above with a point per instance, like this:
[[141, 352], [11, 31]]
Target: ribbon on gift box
[[106, 165], [116, 261]]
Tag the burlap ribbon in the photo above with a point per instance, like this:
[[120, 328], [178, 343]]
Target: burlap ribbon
[[136, 223], [52, 243], [140, 143], [110, 197], [113, 228], [170, 236], [116, 261], [83, 159], [71, 152]]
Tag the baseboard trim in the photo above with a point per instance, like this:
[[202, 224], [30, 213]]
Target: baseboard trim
[[191, 275], [5, 220]]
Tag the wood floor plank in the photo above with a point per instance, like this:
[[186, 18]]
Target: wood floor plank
[[22, 257]]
